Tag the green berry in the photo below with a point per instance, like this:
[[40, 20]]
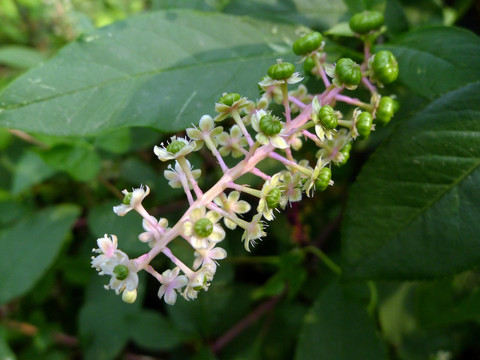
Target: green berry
[[308, 43], [203, 227], [385, 110], [229, 99], [345, 151], [366, 21], [364, 124], [327, 116], [385, 67], [323, 179], [270, 125], [308, 65], [281, 70], [348, 71], [121, 272], [127, 199], [273, 198], [175, 146]]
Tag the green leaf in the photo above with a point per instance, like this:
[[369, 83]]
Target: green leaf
[[29, 247], [319, 14], [30, 170], [20, 57], [152, 331], [5, 352], [117, 142], [413, 212], [104, 321], [356, 6], [435, 60], [338, 328], [78, 160], [162, 70]]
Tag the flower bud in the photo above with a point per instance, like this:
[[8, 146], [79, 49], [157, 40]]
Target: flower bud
[[308, 43], [281, 70], [270, 125], [348, 72], [129, 296], [327, 117], [366, 21]]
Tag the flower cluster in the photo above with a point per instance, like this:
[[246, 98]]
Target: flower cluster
[[251, 132]]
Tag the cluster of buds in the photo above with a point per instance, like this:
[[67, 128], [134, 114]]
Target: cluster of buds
[[255, 134]]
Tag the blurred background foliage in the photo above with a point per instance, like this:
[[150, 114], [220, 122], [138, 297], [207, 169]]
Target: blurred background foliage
[[56, 198]]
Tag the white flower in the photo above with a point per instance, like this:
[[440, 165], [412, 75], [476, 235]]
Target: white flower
[[268, 81], [224, 110], [171, 281], [271, 193], [253, 231], [153, 233], [202, 228], [176, 148], [292, 185], [232, 142], [206, 129], [198, 281], [233, 206], [132, 200], [276, 139], [176, 176], [208, 256]]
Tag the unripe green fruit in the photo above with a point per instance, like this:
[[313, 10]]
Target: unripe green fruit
[[121, 272], [127, 199], [323, 179], [348, 71], [229, 99], [327, 116], [270, 125], [308, 43], [281, 70], [385, 67], [346, 154], [273, 198], [175, 146], [364, 124], [203, 227], [308, 65], [366, 21], [385, 110]]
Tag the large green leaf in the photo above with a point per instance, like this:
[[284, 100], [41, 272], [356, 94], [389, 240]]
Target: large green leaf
[[435, 60], [163, 70], [338, 328], [29, 247], [414, 210]]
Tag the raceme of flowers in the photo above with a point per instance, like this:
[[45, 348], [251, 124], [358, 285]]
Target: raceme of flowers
[[250, 132]]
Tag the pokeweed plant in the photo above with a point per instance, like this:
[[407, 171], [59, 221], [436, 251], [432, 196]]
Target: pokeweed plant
[[252, 133]]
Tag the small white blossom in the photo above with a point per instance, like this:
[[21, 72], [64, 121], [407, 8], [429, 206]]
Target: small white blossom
[[268, 81], [276, 140], [209, 256], [171, 281], [232, 205], [202, 228], [132, 200], [232, 143], [185, 147], [254, 231], [198, 281], [177, 175], [153, 233], [206, 129], [292, 185]]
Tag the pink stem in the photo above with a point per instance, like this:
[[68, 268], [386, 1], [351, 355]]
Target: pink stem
[[296, 101], [369, 85]]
